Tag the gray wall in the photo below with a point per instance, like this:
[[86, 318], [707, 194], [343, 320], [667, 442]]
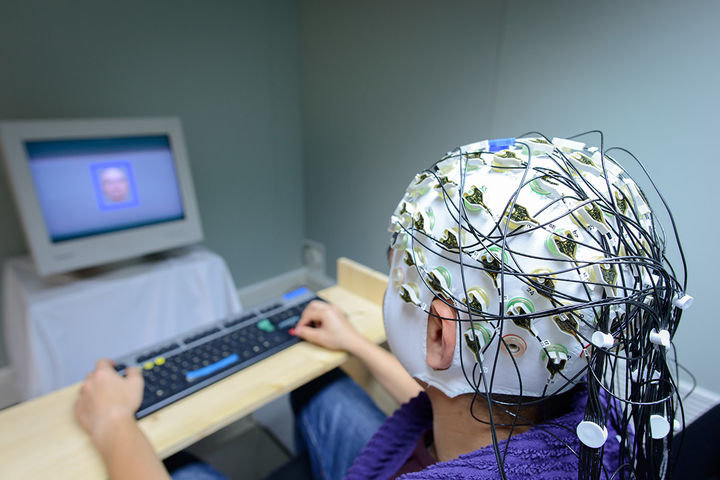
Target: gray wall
[[387, 87], [229, 70]]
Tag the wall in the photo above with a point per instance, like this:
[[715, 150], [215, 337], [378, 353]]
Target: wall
[[387, 87], [229, 70]]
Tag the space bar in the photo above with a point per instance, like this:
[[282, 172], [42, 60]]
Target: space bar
[[210, 369]]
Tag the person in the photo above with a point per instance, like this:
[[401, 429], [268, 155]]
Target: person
[[526, 275], [114, 184]]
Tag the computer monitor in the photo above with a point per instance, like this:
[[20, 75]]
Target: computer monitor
[[92, 192]]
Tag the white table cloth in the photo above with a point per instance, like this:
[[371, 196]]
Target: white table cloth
[[56, 328]]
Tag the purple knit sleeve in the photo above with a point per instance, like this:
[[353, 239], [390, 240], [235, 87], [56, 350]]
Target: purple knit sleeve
[[394, 442]]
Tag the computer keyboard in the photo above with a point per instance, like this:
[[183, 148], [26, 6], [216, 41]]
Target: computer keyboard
[[189, 362]]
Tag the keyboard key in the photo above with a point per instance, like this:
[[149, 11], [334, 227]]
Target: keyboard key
[[208, 369], [271, 307], [266, 325], [288, 323], [206, 333]]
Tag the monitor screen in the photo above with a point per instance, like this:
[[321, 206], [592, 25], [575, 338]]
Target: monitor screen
[[93, 192], [91, 186]]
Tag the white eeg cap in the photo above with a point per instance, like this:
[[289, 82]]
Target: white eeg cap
[[507, 281]]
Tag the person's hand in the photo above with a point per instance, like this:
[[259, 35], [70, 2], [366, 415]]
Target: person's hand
[[326, 325], [107, 398]]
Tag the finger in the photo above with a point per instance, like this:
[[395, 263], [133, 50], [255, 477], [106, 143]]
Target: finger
[[312, 308], [316, 308], [309, 316], [316, 304], [305, 321], [312, 335], [133, 374], [104, 363]]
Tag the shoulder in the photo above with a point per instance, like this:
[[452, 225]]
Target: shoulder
[[394, 442], [545, 451]]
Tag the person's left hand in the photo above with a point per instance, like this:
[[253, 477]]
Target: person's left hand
[[107, 398]]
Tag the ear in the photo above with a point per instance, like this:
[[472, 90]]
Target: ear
[[441, 335]]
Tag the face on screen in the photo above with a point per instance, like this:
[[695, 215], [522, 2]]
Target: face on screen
[[114, 184]]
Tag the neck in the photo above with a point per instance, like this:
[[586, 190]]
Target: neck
[[456, 432]]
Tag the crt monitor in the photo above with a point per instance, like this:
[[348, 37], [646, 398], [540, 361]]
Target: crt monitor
[[92, 192]]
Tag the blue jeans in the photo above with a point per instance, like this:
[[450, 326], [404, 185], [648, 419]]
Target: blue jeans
[[183, 466], [334, 419]]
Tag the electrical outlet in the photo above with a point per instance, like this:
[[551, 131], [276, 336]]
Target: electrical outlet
[[314, 256]]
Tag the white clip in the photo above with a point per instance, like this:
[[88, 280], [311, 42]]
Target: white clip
[[563, 142], [474, 147], [659, 426], [684, 302], [591, 434], [602, 340], [660, 338], [677, 426], [635, 375]]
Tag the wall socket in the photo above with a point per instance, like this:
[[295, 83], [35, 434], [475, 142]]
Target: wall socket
[[314, 257]]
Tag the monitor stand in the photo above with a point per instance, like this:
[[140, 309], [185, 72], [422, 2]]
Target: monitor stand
[[150, 258]]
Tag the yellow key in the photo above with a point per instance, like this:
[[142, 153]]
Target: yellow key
[[148, 365], [159, 361]]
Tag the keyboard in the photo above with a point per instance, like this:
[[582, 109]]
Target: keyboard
[[191, 361]]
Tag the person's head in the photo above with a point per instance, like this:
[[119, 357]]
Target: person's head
[[114, 183], [523, 267]]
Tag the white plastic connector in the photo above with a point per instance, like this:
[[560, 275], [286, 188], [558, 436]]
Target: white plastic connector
[[411, 292], [684, 302], [563, 142], [602, 340], [474, 147], [635, 375], [536, 146], [591, 434], [660, 338], [677, 426], [659, 426]]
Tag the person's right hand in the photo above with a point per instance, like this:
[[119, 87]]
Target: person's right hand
[[326, 325]]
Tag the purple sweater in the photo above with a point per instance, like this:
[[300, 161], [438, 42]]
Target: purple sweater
[[539, 453]]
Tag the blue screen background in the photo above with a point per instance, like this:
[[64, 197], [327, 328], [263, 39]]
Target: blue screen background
[[65, 173]]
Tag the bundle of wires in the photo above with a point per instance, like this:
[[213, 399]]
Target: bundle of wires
[[553, 249]]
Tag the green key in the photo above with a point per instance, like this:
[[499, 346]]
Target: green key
[[265, 325]]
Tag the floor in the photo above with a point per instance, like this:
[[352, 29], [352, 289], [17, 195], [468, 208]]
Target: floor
[[243, 450]]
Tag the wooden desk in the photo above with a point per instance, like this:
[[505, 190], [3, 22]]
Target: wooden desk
[[40, 439]]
